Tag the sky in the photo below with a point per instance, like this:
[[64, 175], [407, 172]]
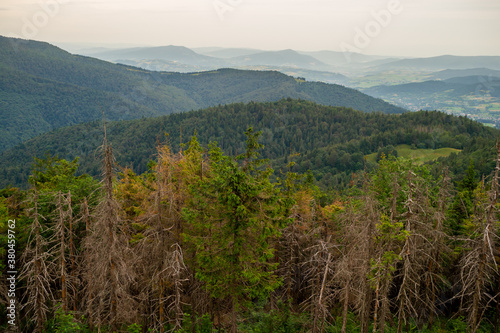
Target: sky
[[413, 28]]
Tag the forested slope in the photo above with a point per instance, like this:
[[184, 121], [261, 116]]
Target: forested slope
[[331, 141], [43, 88], [206, 241]]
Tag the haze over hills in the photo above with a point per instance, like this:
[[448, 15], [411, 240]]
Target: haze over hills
[[316, 60], [221, 52], [451, 73], [349, 60], [286, 58], [44, 87], [167, 53], [443, 62]]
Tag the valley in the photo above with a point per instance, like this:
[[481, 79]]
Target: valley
[[377, 76]]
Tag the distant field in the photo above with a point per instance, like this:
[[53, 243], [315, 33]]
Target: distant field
[[420, 155]]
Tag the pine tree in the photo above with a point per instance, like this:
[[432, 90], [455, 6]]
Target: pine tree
[[232, 215]]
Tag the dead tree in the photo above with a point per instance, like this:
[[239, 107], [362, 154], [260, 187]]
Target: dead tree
[[60, 235], [408, 294], [320, 273], [72, 254], [85, 269], [479, 266], [366, 253], [353, 267], [108, 258], [164, 277], [37, 272], [432, 277], [174, 272], [291, 248]]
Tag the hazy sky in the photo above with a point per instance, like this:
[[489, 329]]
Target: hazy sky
[[386, 27]]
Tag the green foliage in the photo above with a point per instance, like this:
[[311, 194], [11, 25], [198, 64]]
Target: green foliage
[[462, 208], [280, 320], [203, 325], [66, 323], [43, 87], [134, 328], [456, 325], [240, 210], [52, 174], [329, 141], [386, 152]]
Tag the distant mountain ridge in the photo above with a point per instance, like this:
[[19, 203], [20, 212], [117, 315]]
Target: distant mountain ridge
[[220, 52], [444, 62], [452, 73], [43, 87], [458, 86], [286, 58], [167, 53]]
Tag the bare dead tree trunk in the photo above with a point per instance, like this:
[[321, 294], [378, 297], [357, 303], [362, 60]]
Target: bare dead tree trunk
[[404, 296], [72, 256], [353, 268], [384, 299], [437, 249], [367, 297], [346, 306], [61, 234], [319, 268], [87, 270], [479, 266], [174, 272], [109, 257], [234, 318], [36, 272], [375, 310]]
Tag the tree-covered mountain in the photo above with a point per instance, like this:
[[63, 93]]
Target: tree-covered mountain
[[444, 62], [451, 73], [50, 88], [330, 141], [287, 58]]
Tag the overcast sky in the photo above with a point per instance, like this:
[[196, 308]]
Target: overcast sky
[[385, 27]]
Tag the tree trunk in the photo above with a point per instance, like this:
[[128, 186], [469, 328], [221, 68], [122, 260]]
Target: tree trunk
[[346, 307], [375, 310]]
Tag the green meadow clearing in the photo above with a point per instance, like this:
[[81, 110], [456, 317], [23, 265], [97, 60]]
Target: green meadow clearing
[[420, 155]]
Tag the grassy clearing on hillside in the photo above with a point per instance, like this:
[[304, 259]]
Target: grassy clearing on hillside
[[420, 155]]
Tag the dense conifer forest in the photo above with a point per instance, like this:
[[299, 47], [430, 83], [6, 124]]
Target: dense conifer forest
[[331, 142], [232, 227]]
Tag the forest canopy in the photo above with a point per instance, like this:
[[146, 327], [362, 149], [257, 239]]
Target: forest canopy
[[204, 240]]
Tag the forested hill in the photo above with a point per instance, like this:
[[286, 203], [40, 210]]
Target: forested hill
[[331, 141], [43, 88]]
